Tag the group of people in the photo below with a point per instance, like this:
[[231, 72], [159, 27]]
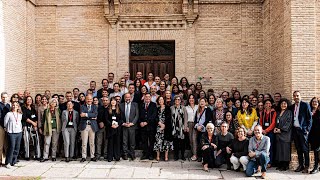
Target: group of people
[[249, 133]]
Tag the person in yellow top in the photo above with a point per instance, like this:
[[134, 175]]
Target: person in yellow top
[[247, 117]]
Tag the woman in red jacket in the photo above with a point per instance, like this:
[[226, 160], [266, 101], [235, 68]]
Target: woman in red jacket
[[268, 123]]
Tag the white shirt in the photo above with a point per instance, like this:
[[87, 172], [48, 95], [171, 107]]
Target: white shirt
[[191, 112], [12, 122]]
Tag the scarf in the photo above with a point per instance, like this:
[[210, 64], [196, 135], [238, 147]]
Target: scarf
[[47, 122], [178, 122]]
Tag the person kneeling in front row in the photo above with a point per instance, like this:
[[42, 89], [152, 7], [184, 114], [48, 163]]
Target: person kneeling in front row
[[208, 146], [259, 146]]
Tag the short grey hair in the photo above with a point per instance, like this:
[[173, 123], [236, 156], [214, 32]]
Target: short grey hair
[[3, 93]]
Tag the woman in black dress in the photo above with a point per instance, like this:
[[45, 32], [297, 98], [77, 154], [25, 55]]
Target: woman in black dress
[[113, 130], [314, 135], [282, 132], [164, 129]]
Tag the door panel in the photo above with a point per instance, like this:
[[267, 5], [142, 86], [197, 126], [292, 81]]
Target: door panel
[[152, 56]]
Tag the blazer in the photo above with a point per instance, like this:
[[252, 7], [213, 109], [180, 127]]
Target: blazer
[[150, 116], [65, 117], [304, 117], [134, 113], [136, 97], [92, 116], [102, 115], [76, 106], [111, 131]]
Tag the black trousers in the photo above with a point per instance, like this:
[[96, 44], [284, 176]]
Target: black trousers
[[223, 158], [179, 145], [199, 151], [208, 157], [148, 139], [114, 146], [302, 146]]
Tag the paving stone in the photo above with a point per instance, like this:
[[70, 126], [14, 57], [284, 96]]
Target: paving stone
[[140, 172], [167, 165], [126, 164], [70, 164], [63, 172], [100, 165], [200, 174], [191, 165], [94, 173], [121, 173], [33, 169], [174, 174], [235, 175], [6, 172]]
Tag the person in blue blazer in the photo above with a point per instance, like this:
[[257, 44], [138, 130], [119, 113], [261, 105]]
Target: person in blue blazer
[[88, 126]]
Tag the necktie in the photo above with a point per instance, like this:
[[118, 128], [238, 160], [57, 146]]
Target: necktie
[[127, 113], [89, 108], [147, 106]]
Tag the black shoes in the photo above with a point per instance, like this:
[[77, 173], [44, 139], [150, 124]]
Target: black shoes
[[125, 157], [183, 158], [299, 169], [54, 159], [67, 159], [133, 157], [94, 159], [144, 157], [314, 171], [82, 160], [151, 158], [43, 160]]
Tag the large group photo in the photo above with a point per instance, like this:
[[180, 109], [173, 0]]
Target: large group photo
[[168, 119]]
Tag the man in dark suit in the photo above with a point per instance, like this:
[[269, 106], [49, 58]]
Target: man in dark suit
[[88, 126], [101, 135], [135, 96], [302, 122], [148, 124], [130, 116]]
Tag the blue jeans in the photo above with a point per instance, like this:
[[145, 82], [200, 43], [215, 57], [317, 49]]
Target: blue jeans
[[262, 161], [14, 140]]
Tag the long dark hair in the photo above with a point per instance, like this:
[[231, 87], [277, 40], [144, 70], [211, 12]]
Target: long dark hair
[[311, 102], [117, 106], [249, 110]]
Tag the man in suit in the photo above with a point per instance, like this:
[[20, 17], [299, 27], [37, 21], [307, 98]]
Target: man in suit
[[302, 122], [88, 126], [101, 135], [135, 96], [130, 116], [148, 124], [70, 120]]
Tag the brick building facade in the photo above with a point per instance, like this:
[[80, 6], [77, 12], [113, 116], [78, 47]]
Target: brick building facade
[[270, 45]]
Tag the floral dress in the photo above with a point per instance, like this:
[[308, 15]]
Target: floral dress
[[161, 144]]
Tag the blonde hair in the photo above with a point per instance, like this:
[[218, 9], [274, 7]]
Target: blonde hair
[[209, 125]]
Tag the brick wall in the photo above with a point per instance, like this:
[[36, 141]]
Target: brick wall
[[18, 44], [303, 19], [271, 45], [229, 46], [277, 46], [72, 47]]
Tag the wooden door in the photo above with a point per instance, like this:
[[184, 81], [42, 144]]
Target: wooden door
[[152, 56]]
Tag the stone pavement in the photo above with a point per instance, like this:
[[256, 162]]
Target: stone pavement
[[130, 170]]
